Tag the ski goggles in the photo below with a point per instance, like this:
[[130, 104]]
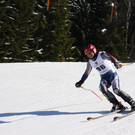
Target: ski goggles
[[88, 52]]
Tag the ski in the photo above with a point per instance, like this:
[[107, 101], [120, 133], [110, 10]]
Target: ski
[[94, 118], [124, 116]]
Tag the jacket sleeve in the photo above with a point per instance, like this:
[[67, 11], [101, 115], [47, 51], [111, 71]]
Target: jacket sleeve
[[108, 56], [87, 71]]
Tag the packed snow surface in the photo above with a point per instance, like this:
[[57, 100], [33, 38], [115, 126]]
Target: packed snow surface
[[41, 99]]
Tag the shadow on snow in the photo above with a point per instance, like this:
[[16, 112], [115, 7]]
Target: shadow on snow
[[1, 122], [48, 113]]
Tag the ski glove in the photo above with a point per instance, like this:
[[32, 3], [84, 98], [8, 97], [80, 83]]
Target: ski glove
[[116, 64], [78, 84]]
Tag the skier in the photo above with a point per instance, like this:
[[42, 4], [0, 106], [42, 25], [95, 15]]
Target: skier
[[102, 62]]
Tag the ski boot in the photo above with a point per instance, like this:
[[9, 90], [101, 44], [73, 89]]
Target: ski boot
[[133, 107], [118, 107]]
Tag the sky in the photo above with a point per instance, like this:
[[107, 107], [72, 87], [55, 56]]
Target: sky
[[41, 99]]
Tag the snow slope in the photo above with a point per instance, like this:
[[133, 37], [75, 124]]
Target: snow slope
[[41, 99]]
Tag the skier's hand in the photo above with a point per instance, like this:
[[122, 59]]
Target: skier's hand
[[116, 64], [78, 84]]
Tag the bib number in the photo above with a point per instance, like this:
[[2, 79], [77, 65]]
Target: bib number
[[101, 67]]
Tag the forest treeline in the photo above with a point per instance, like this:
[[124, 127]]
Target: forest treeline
[[31, 32]]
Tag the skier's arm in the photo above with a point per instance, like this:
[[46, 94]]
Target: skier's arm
[[87, 71], [108, 56], [85, 75]]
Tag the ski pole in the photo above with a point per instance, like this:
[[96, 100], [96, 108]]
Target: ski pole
[[120, 65], [127, 64], [92, 92]]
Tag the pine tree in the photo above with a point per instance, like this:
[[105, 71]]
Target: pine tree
[[41, 33], [99, 16], [18, 20], [112, 40], [54, 30], [81, 28], [131, 33], [4, 28], [123, 17]]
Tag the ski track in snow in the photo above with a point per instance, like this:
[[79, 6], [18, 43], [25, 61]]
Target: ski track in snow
[[41, 99]]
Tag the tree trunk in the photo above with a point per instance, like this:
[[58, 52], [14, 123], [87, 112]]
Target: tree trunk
[[128, 15]]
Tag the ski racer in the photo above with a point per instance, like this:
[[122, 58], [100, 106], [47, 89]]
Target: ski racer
[[102, 62]]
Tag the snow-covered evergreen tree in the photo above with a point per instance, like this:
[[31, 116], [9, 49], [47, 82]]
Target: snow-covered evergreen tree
[[17, 28]]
